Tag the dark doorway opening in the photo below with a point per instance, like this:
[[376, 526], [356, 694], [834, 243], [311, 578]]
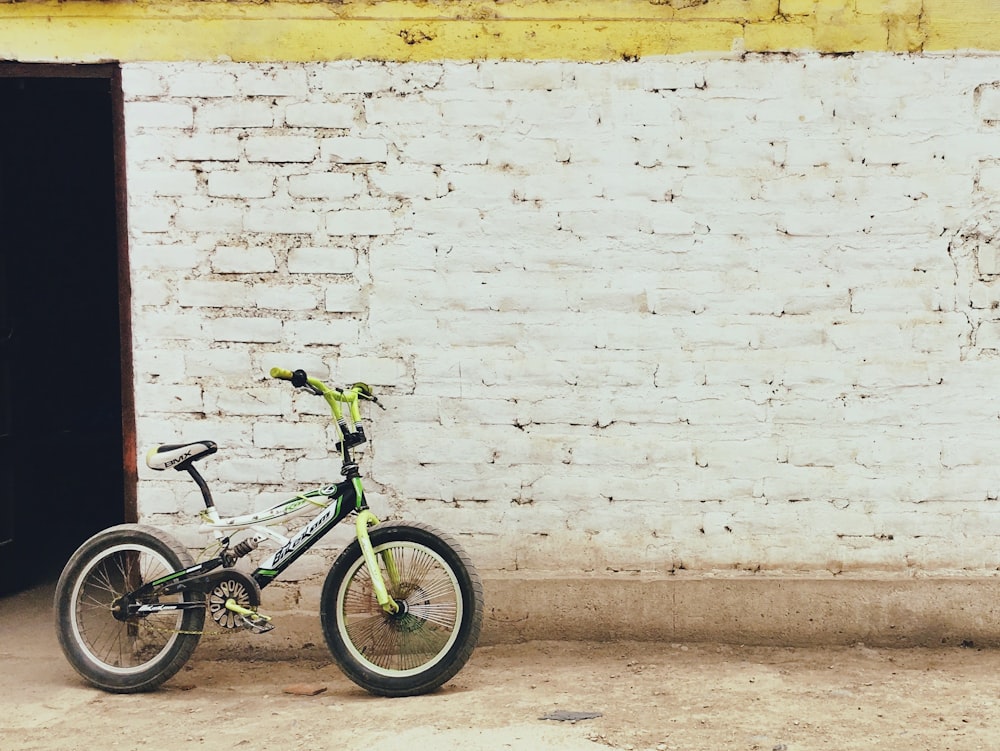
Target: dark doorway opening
[[63, 318]]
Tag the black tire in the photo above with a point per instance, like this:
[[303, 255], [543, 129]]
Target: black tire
[[428, 642], [136, 654]]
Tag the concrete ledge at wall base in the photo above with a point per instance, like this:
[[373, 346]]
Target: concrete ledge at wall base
[[878, 611]]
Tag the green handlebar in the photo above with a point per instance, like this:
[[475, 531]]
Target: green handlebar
[[333, 396]]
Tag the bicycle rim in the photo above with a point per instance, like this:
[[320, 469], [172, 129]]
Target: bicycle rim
[[129, 646], [414, 641]]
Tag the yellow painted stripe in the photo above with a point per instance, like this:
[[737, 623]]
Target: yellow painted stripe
[[477, 29]]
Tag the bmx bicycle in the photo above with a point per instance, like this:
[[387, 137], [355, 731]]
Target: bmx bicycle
[[401, 607]]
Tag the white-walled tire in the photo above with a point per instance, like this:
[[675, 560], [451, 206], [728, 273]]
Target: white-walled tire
[[124, 655], [427, 643]]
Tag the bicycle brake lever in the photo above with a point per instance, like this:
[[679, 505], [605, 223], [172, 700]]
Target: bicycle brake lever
[[364, 391]]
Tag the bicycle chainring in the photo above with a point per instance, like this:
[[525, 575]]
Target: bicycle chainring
[[238, 587]]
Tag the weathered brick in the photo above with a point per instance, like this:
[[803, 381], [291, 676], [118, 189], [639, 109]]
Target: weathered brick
[[235, 114], [322, 261], [299, 297], [241, 260], [288, 435], [350, 150], [328, 185], [244, 330], [360, 222], [281, 148], [283, 221], [240, 184], [159, 115], [278, 80]]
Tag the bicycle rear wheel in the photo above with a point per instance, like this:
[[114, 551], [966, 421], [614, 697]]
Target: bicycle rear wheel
[[441, 611], [125, 655]]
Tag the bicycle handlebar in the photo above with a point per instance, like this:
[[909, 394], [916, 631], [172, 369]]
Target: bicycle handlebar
[[333, 396]]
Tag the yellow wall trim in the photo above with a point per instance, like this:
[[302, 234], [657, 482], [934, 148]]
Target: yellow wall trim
[[595, 30]]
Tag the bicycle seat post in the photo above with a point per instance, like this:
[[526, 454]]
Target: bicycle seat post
[[206, 494]]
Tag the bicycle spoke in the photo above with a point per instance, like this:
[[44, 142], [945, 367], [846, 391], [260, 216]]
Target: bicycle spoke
[[133, 642]]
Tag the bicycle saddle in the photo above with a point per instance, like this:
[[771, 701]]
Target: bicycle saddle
[[179, 455]]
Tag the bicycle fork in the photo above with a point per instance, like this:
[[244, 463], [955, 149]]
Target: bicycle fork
[[367, 519]]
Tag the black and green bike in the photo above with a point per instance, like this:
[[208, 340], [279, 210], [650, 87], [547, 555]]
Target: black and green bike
[[401, 607]]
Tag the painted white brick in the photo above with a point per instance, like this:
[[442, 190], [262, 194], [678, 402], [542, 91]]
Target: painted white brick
[[139, 82], [181, 256], [328, 185], [281, 148], [320, 115], [286, 435], [344, 298], [372, 370], [208, 147], [441, 149], [228, 294], [241, 260], [476, 110], [215, 219], [509, 151], [152, 219], [341, 260], [217, 363], [330, 332], [445, 220], [403, 110], [235, 114], [989, 178], [277, 80], [170, 397], [244, 330], [351, 150], [988, 335], [283, 221], [174, 182], [989, 102], [158, 115], [644, 75], [166, 365], [170, 325], [152, 291], [508, 75], [256, 471], [150, 149], [240, 184], [350, 78], [197, 81], [408, 183], [299, 297], [360, 222]]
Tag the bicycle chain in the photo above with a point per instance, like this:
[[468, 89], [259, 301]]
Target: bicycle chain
[[211, 634]]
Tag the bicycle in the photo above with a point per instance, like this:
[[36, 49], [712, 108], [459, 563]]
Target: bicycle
[[401, 607]]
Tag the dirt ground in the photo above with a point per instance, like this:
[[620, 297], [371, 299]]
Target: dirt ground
[[648, 696]]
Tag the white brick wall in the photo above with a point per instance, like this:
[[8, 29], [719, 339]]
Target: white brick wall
[[729, 314]]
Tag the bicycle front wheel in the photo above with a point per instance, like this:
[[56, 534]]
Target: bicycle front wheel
[[436, 629], [114, 653]]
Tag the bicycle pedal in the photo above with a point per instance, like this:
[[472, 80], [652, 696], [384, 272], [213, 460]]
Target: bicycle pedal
[[259, 624]]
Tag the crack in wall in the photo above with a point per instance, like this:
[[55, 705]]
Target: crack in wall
[[973, 250]]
